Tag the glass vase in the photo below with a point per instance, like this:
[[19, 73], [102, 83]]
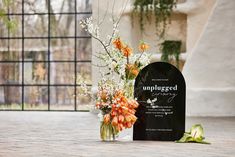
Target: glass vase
[[129, 88], [107, 132]]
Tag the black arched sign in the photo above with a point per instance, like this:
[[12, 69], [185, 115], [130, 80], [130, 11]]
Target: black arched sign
[[160, 90]]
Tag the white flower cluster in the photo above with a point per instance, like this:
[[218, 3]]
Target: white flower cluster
[[89, 26]]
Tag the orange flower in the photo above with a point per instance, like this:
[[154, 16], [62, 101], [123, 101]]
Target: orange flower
[[135, 72], [120, 127], [143, 47], [115, 121], [128, 125], [118, 94], [118, 44], [128, 118], [113, 113], [132, 71], [120, 118], [127, 51], [106, 118], [104, 95]]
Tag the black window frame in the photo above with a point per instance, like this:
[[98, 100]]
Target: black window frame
[[21, 61]]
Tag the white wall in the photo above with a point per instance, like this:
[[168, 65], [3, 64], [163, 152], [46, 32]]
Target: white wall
[[210, 68]]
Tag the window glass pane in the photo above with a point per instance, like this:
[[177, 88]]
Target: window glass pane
[[36, 49], [84, 5], [83, 100], [10, 73], [15, 50], [16, 30], [3, 29], [35, 98], [62, 98], [62, 49], [16, 6], [35, 73], [84, 49], [62, 6], [62, 25], [10, 97], [84, 71], [41, 43], [62, 73], [35, 6], [3, 46], [35, 25], [80, 30]]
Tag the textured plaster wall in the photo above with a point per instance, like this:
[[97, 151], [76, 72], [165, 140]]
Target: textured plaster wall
[[210, 67]]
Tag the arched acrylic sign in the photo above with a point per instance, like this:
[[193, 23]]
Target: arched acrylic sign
[[160, 90]]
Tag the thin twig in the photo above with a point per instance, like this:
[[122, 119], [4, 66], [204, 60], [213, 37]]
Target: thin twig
[[104, 46]]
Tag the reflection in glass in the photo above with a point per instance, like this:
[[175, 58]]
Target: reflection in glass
[[84, 101], [80, 30], [62, 73], [35, 73], [10, 73], [62, 98], [62, 49], [36, 25], [16, 6], [84, 71], [35, 6], [36, 49], [62, 6], [62, 25], [10, 98], [36, 98], [84, 49], [84, 5]]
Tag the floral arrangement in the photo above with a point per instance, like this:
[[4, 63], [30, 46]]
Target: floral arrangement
[[118, 56], [118, 111], [115, 97]]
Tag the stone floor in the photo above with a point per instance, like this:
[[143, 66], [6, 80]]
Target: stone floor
[[70, 134]]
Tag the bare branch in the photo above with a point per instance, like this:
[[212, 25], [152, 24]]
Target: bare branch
[[104, 46]]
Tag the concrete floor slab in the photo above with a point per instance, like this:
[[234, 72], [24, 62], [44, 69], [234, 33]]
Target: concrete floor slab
[[70, 134]]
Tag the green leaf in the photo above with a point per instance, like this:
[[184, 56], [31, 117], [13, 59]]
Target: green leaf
[[185, 138], [195, 135], [197, 131]]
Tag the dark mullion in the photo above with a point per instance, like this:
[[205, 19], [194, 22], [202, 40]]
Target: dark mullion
[[52, 37], [75, 59], [22, 55], [49, 47], [62, 13]]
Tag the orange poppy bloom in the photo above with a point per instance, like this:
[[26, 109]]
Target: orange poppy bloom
[[127, 51], [143, 47], [118, 44]]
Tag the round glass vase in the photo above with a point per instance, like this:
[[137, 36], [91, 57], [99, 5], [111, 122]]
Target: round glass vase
[[129, 88], [107, 132]]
